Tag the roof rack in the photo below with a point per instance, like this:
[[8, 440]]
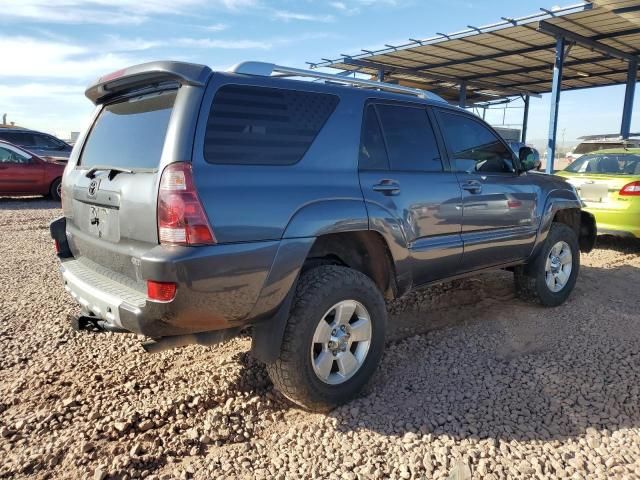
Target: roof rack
[[267, 69], [606, 136]]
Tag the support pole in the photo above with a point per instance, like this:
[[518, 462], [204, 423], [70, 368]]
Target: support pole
[[555, 100], [525, 119], [632, 78], [381, 75], [462, 103]]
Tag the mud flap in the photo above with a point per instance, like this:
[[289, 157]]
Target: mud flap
[[58, 230], [588, 232], [266, 337]]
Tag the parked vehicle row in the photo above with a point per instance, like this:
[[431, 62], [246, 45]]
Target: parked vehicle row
[[202, 203]]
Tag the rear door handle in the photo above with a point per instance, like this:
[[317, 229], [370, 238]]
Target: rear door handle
[[387, 187], [472, 186]]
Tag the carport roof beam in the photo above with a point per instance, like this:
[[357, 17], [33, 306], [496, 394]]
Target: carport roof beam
[[434, 77], [556, 31]]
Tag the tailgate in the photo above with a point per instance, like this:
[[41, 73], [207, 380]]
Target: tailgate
[[110, 194]]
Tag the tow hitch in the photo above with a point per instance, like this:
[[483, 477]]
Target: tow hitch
[[92, 324]]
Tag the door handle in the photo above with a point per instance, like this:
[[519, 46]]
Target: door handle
[[472, 186], [387, 187]]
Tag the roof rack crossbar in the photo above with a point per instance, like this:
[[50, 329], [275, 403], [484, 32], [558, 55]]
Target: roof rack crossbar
[[269, 69]]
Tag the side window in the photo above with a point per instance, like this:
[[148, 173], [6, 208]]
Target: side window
[[12, 137], [44, 141], [264, 126], [9, 156], [473, 146], [411, 143], [373, 154], [25, 139]]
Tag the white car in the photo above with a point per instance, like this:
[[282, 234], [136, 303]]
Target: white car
[[593, 143]]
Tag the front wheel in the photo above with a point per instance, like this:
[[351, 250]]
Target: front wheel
[[333, 340], [551, 277]]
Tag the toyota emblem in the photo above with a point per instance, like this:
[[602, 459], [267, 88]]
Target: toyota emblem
[[93, 187]]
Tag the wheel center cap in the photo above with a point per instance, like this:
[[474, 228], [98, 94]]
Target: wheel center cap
[[339, 341], [555, 264]]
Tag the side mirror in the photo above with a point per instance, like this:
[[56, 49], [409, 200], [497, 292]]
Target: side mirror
[[529, 159]]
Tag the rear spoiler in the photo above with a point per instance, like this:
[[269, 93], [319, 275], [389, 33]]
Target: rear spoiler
[[138, 76]]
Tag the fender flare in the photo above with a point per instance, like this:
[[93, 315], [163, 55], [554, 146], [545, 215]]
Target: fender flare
[[556, 200]]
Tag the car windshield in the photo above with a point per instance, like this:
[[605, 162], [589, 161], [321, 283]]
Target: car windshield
[[589, 147], [607, 164]]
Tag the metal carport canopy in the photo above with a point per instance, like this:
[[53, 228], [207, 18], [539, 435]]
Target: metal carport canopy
[[598, 42]]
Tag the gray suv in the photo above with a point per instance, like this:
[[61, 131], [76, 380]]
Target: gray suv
[[201, 204]]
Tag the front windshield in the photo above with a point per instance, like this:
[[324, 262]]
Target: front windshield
[[607, 164]]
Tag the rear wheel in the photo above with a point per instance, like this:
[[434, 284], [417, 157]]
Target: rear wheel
[[55, 191], [551, 277], [333, 340]]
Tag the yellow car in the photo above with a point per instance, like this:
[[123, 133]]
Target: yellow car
[[608, 181]]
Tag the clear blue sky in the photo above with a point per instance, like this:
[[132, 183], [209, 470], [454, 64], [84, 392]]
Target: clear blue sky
[[51, 49]]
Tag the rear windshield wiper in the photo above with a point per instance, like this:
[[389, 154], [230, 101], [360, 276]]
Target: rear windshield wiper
[[113, 171]]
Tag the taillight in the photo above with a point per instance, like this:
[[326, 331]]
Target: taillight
[[161, 291], [181, 218], [632, 188], [56, 245]]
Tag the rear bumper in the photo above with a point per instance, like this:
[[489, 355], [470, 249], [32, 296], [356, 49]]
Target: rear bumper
[[118, 304], [617, 222], [218, 287]]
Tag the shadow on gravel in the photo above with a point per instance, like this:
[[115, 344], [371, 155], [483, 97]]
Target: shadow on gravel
[[508, 370], [27, 203], [619, 244]]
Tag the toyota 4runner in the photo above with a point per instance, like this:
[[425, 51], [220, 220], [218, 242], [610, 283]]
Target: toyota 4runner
[[199, 204]]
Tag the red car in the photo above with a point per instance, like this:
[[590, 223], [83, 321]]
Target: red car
[[23, 173]]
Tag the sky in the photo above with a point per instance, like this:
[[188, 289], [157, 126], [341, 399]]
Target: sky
[[52, 49]]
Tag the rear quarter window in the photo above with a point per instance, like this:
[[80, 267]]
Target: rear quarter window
[[264, 126]]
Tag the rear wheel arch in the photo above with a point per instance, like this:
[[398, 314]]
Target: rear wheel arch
[[365, 251]]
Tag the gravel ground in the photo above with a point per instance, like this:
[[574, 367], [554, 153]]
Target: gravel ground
[[474, 383]]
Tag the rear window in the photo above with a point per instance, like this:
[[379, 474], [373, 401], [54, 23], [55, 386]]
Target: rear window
[[130, 133], [607, 164], [264, 126]]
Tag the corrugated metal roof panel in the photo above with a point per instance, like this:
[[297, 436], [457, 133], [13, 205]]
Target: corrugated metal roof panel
[[512, 56]]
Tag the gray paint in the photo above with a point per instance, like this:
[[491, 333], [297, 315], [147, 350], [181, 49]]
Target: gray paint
[[266, 218]]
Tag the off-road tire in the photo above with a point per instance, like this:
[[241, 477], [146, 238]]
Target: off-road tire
[[317, 291], [54, 189], [530, 280]]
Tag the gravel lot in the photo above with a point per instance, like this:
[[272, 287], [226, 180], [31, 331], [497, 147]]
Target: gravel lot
[[473, 382]]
